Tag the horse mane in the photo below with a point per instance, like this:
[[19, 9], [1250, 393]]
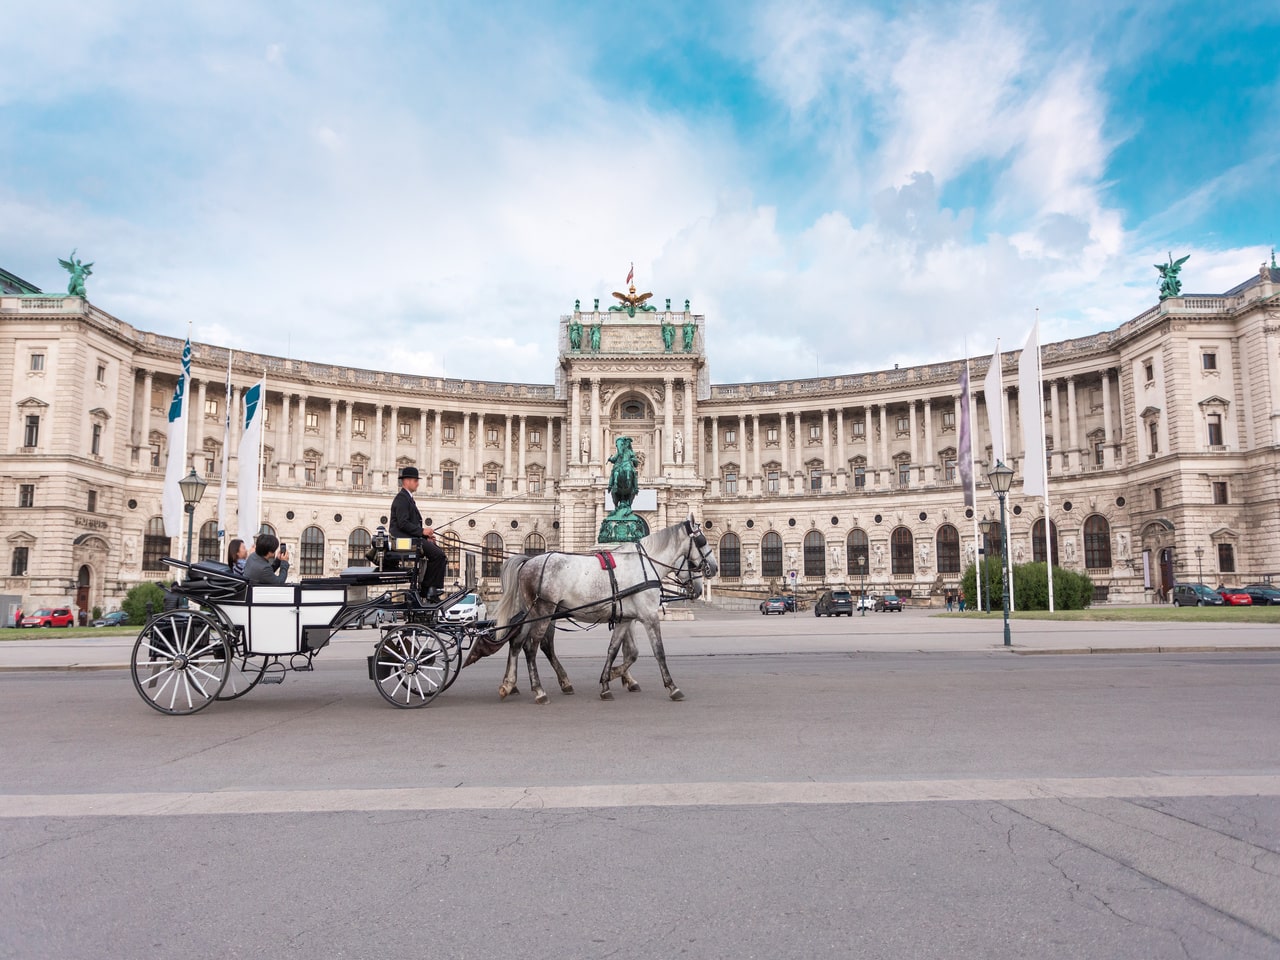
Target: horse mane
[[661, 539]]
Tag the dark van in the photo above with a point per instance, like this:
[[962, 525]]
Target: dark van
[[834, 603]]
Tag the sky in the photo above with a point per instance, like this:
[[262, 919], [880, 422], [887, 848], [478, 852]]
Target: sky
[[837, 186]]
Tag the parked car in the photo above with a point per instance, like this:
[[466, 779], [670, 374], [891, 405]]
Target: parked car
[[1195, 595], [1263, 594], [1235, 597], [889, 602], [50, 617], [790, 600], [834, 603], [866, 602], [773, 605], [116, 618], [467, 610]]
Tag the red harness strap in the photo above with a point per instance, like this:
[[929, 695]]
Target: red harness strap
[[606, 560]]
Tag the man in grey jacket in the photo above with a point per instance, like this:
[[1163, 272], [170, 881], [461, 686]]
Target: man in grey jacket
[[263, 566]]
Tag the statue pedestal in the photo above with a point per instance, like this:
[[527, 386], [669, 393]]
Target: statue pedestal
[[677, 613], [621, 527]]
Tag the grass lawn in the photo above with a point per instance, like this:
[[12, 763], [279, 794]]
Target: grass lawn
[[62, 633], [1164, 614]]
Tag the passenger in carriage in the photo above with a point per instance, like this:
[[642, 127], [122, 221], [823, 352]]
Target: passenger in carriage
[[406, 521], [263, 566], [237, 553]]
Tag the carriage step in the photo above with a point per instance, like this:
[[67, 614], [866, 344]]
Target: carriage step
[[272, 678]]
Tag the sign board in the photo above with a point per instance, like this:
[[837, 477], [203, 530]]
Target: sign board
[[792, 575], [645, 500]]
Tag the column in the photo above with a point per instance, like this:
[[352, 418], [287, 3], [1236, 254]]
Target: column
[[144, 441], [913, 424], [348, 411], [197, 420], [755, 446], [1073, 425], [596, 456], [506, 457], [668, 418], [828, 469], [869, 445], [522, 468], [422, 441], [478, 466], [435, 447], [1013, 438], [930, 456], [784, 449], [301, 438], [885, 465], [695, 458], [1108, 452], [394, 442], [714, 424], [1053, 427], [331, 447], [573, 444], [375, 467], [841, 464]]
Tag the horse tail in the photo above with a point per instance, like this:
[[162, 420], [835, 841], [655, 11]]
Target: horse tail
[[509, 606]]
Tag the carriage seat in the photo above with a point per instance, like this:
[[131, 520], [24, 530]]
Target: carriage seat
[[214, 581]]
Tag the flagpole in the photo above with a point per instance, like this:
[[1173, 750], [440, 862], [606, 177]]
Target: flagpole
[[1006, 565], [262, 436], [186, 425], [973, 481], [226, 450], [1048, 521]]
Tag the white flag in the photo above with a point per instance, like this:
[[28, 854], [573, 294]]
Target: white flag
[[222, 486], [1031, 412], [176, 467], [250, 462], [993, 388]]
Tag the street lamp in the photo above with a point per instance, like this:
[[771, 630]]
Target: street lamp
[[1001, 478], [192, 487], [1199, 563], [862, 569], [986, 546]]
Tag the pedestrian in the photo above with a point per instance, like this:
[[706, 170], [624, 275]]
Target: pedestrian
[[951, 599], [962, 601], [17, 618]]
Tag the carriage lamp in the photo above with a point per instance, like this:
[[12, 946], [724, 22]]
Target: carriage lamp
[[1001, 478], [192, 487]]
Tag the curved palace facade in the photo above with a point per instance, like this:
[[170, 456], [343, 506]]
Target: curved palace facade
[[1164, 437]]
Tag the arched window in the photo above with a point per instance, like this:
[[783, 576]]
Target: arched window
[[208, 546], [1037, 541], [902, 551], [452, 548], [1097, 543], [771, 555], [534, 544], [948, 542], [154, 545], [491, 561], [357, 547], [858, 548], [815, 554], [311, 552], [633, 410], [730, 555], [266, 528]]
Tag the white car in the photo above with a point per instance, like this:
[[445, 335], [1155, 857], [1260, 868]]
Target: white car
[[467, 610], [865, 602]]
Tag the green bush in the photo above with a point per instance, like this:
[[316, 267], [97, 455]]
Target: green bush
[[1071, 590], [135, 602], [97, 613]]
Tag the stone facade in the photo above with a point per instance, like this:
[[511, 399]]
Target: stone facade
[[1163, 437]]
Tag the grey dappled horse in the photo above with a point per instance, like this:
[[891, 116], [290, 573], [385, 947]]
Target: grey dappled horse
[[538, 590]]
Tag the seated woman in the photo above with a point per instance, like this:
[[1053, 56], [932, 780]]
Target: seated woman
[[237, 553]]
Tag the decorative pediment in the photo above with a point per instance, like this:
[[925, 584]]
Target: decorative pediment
[[98, 413], [311, 453], [32, 403], [21, 537], [947, 453], [814, 463], [1214, 401], [1149, 413], [1223, 534], [729, 467], [1099, 434], [359, 460]]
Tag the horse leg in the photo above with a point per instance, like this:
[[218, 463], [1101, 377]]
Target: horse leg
[[508, 685], [629, 656], [607, 674], [549, 648], [655, 640], [531, 646]]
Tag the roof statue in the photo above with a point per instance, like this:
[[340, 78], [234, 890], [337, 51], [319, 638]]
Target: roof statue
[[632, 301], [78, 271], [1170, 285]]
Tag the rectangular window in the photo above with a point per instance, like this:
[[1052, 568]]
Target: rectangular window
[[210, 466], [27, 495], [92, 505], [491, 435], [357, 426], [860, 428], [904, 474], [1226, 558], [211, 408], [102, 373], [815, 432], [1157, 498], [357, 476], [731, 438], [534, 483], [904, 423], [446, 481], [449, 434], [1219, 491], [406, 430], [31, 435], [948, 419], [859, 478], [730, 483], [490, 481], [312, 421], [266, 415], [37, 361], [1098, 450], [1149, 371], [772, 484], [949, 470], [95, 441], [771, 434], [1215, 429], [1154, 430], [19, 566], [535, 438], [815, 479], [155, 455], [309, 470], [1209, 361]]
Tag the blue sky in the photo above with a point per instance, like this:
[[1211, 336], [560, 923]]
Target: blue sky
[[837, 186]]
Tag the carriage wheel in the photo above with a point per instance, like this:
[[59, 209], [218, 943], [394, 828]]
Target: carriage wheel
[[410, 665], [180, 662], [246, 671], [453, 650]]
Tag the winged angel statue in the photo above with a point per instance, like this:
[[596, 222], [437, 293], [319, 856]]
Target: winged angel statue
[[1170, 285], [78, 271]]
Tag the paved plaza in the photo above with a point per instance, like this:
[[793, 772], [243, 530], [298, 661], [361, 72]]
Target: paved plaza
[[887, 786]]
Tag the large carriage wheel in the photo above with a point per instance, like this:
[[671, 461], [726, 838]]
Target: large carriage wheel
[[410, 665], [246, 671], [180, 661]]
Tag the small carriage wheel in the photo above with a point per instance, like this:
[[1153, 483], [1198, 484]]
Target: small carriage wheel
[[246, 671], [410, 665], [180, 661]]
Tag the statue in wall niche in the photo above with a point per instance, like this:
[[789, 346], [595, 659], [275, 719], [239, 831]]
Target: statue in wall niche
[[751, 561], [668, 336], [1122, 545], [584, 449], [924, 553], [688, 331], [335, 557], [1019, 552], [595, 338], [575, 336], [792, 557], [835, 557], [1069, 549], [879, 554], [130, 548], [677, 443], [968, 552]]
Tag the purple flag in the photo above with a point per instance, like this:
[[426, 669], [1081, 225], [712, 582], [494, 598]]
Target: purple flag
[[964, 455]]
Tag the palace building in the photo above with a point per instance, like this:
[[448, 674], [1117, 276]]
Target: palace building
[[1163, 441]]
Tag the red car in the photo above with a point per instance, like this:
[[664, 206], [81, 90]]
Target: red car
[[1234, 597], [56, 617]]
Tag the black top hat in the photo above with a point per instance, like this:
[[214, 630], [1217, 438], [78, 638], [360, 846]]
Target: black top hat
[[409, 473]]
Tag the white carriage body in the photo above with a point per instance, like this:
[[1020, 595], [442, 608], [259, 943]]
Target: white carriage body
[[276, 618]]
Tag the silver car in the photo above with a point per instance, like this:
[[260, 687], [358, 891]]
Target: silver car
[[467, 610]]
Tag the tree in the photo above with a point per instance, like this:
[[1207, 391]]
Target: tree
[[1071, 590], [135, 602]]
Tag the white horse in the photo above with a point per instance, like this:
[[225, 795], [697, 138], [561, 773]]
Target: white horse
[[538, 590]]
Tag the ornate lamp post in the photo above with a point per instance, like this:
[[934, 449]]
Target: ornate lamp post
[[985, 524], [1199, 563], [862, 570], [1001, 478], [192, 487]]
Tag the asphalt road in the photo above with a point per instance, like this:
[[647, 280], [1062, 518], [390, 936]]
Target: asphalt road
[[816, 804]]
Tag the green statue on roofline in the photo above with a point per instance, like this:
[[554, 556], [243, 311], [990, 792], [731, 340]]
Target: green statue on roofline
[[1170, 285], [78, 271]]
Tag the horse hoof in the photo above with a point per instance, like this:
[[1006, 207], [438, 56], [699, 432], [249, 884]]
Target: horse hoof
[[606, 694], [676, 694], [567, 689], [633, 688], [541, 698], [503, 694]]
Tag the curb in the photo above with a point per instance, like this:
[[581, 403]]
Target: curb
[[1201, 649]]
